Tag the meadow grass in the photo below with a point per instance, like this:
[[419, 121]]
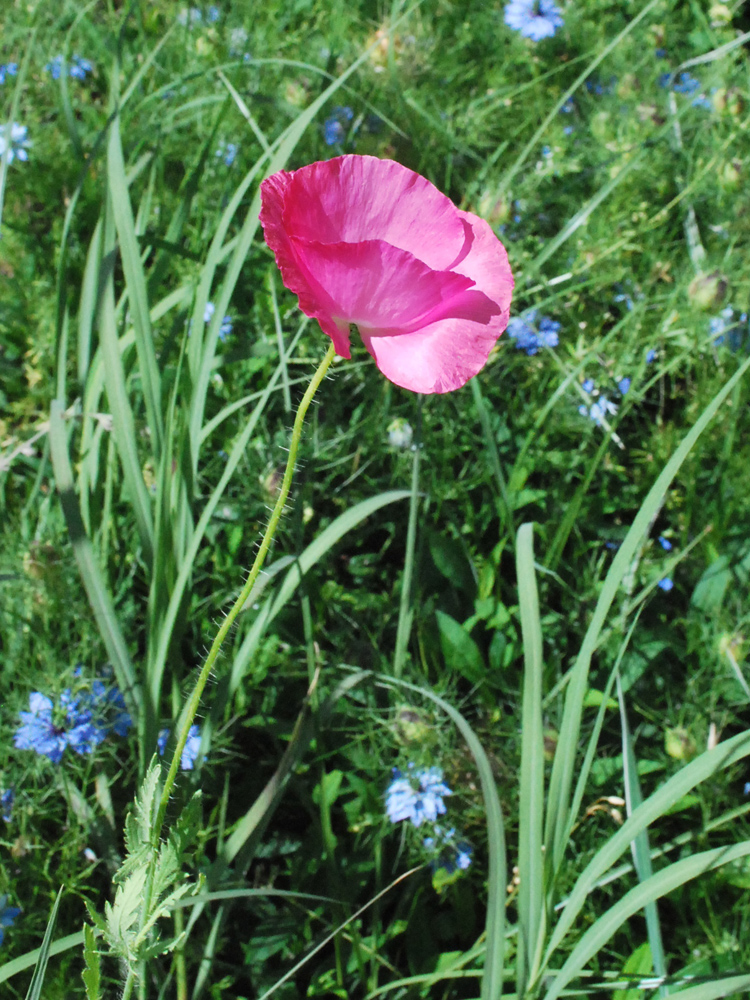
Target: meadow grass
[[536, 585]]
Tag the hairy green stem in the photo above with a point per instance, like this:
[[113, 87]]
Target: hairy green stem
[[195, 697], [191, 708]]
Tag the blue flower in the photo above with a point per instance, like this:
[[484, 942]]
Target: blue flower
[[49, 729], [568, 106], [7, 915], [54, 67], [665, 543], [109, 709], [208, 312], [588, 385], [7, 798], [598, 410], [213, 14], [624, 384], [686, 84], [404, 801], [19, 144], [226, 328], [530, 334], [10, 69], [724, 327], [189, 754], [535, 19], [334, 127], [79, 67], [568, 130], [189, 17], [747, 788], [624, 297], [660, 53], [463, 856], [666, 584], [227, 152], [650, 355]]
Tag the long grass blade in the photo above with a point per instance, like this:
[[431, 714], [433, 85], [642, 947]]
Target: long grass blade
[[135, 281], [640, 845], [96, 591], [531, 895], [37, 980]]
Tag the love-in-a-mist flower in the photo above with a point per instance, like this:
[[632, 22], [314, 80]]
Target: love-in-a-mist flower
[[417, 796], [7, 915], [535, 19], [368, 242], [48, 728]]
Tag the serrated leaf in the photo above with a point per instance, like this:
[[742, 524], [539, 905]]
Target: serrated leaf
[[123, 914], [91, 975]]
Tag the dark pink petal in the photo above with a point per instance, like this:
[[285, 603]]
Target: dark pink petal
[[376, 285], [354, 198]]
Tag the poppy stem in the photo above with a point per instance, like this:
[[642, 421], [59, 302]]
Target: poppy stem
[[191, 708]]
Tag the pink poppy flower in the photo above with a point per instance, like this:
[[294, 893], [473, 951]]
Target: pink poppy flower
[[367, 241]]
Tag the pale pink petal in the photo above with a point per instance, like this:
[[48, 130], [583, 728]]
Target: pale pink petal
[[354, 198], [444, 355], [376, 285]]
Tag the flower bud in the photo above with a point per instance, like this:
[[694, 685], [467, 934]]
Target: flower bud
[[708, 291]]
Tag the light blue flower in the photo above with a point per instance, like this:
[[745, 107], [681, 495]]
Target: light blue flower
[[403, 801], [665, 543], [568, 106], [213, 14], [463, 857], [227, 152], [598, 411], [531, 334], [588, 385], [19, 144], [666, 584], [10, 69], [535, 19], [226, 328], [208, 312], [54, 67], [624, 384], [80, 67], [7, 915], [650, 355]]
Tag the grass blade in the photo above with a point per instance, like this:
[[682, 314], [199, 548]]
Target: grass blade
[[37, 980], [640, 846], [531, 896], [98, 595], [135, 281]]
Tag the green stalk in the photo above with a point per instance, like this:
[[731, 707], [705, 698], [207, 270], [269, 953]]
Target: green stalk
[[405, 611], [194, 700]]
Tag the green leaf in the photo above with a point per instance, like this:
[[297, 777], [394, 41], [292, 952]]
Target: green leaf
[[460, 651], [91, 975]]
